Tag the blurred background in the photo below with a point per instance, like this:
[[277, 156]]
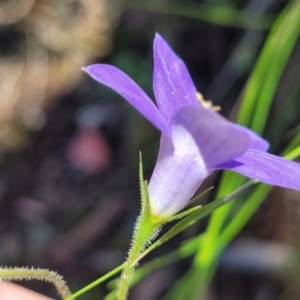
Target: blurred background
[[69, 192]]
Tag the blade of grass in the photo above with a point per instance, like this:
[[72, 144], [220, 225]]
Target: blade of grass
[[293, 144], [263, 81], [96, 282], [283, 41]]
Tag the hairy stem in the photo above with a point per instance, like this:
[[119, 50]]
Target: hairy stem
[[25, 273], [144, 232]]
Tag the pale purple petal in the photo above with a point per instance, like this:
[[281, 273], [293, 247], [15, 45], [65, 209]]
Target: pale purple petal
[[267, 168], [172, 84], [126, 87], [178, 173], [218, 140], [256, 141]]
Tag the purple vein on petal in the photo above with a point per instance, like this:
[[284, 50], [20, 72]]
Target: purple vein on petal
[[127, 88], [172, 84], [267, 168]]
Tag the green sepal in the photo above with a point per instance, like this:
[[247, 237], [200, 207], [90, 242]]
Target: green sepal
[[145, 202], [141, 179], [199, 196], [176, 217]]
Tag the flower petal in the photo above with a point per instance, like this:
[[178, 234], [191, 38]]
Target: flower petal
[[172, 84], [218, 140], [126, 87], [178, 173], [267, 168], [256, 141]]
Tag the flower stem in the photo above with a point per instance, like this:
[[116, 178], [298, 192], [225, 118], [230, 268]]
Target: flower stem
[[144, 232], [25, 273]]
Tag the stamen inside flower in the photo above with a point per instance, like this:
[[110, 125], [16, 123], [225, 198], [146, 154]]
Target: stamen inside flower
[[207, 103]]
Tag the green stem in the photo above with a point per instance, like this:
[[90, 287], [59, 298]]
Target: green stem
[[144, 232], [25, 273], [95, 283]]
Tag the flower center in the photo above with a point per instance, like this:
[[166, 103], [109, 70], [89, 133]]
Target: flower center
[[207, 103]]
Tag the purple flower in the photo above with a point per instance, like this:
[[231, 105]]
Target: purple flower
[[195, 139]]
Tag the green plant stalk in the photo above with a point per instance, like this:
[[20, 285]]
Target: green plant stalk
[[144, 232], [96, 282], [144, 270], [25, 273]]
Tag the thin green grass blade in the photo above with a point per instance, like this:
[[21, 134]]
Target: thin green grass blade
[[242, 217], [96, 282], [281, 46], [295, 143], [264, 79], [287, 110]]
